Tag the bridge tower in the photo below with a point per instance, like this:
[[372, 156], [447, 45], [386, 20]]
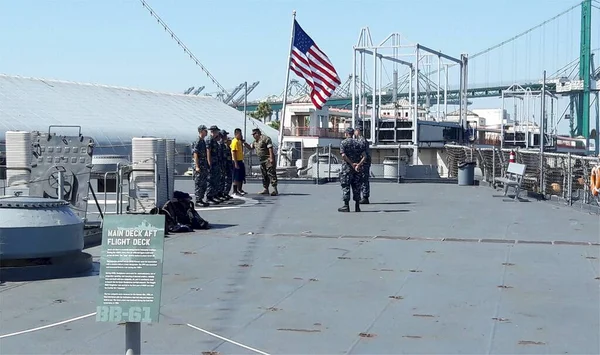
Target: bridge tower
[[585, 55]]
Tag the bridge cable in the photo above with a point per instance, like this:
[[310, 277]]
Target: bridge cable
[[523, 33], [517, 36]]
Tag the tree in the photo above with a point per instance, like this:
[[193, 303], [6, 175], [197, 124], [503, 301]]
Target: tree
[[263, 111], [274, 124]]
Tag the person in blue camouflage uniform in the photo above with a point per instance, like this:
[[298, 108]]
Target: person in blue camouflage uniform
[[221, 165], [365, 187], [353, 156], [228, 166], [200, 167], [214, 171]]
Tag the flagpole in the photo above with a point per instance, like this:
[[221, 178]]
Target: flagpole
[[285, 92]]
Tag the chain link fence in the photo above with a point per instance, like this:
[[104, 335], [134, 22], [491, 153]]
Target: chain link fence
[[566, 176]]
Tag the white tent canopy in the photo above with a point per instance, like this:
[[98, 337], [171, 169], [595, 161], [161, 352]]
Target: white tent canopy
[[112, 116]]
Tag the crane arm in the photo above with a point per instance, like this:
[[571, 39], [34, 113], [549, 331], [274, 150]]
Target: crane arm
[[182, 45]]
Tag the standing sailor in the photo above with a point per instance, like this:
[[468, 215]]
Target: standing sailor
[[353, 156], [212, 155], [200, 168], [365, 172], [228, 165], [221, 148], [263, 146]]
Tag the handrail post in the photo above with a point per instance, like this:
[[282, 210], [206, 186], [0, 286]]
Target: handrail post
[[329, 164]]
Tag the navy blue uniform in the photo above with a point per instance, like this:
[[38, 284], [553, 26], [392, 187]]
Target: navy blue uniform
[[201, 177], [214, 173], [349, 177]]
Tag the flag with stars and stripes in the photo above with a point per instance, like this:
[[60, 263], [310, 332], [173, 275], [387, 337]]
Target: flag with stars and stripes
[[310, 63]]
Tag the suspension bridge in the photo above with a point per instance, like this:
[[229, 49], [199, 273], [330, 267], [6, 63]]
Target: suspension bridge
[[519, 61], [572, 66], [566, 46]]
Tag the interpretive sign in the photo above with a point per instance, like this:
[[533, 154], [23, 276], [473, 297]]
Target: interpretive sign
[[131, 266]]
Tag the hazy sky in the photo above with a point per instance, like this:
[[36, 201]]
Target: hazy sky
[[117, 42]]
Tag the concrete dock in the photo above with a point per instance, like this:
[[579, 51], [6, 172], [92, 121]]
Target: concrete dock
[[423, 269]]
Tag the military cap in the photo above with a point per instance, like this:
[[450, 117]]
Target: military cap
[[201, 128], [224, 132], [350, 130], [358, 127], [214, 128]]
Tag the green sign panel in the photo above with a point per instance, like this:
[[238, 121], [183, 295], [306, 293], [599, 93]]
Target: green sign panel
[[131, 268]]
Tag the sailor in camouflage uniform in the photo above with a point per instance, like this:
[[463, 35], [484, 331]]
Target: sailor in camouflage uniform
[[365, 187], [263, 146], [200, 167], [221, 150], [228, 165], [214, 173], [353, 156]]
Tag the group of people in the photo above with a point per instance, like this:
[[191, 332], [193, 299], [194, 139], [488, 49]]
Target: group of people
[[218, 164], [355, 170]]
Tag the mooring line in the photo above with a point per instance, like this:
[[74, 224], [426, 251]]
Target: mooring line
[[94, 313], [47, 326]]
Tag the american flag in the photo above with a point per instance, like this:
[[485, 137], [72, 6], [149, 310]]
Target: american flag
[[310, 63]]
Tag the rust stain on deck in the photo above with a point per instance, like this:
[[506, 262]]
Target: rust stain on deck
[[531, 342], [367, 335]]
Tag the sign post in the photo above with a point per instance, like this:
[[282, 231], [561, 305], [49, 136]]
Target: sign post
[[131, 273]]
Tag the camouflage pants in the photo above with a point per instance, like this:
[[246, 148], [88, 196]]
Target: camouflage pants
[[221, 173], [365, 174], [350, 179], [228, 177], [200, 182], [214, 182], [268, 174]]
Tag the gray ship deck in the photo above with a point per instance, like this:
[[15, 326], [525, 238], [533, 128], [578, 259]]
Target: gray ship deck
[[426, 268]]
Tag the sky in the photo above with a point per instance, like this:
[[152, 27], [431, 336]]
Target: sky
[[117, 42]]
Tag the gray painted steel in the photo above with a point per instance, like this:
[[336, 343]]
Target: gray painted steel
[[35, 227], [70, 265], [426, 268], [71, 155]]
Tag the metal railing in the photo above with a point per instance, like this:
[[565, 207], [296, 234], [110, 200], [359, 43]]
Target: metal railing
[[314, 132], [566, 176]]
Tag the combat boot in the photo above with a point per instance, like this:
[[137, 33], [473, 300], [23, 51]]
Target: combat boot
[[356, 206], [345, 207], [264, 192], [214, 201], [201, 204], [364, 201]]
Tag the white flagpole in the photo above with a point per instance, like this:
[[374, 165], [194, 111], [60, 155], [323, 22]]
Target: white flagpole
[[285, 93]]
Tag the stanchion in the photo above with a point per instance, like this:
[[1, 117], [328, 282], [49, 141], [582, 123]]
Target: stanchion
[[570, 180], [133, 338], [398, 166], [318, 153], [329, 164], [493, 166]]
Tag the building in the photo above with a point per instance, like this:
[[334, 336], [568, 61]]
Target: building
[[112, 116]]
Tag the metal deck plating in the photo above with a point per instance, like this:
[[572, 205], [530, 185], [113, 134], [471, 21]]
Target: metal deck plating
[[425, 268]]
